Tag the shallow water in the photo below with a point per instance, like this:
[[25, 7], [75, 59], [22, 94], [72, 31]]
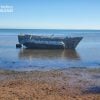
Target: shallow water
[[87, 53]]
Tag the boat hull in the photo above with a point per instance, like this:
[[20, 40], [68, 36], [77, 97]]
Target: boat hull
[[40, 42]]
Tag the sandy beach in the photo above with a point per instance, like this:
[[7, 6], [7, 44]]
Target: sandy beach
[[66, 84]]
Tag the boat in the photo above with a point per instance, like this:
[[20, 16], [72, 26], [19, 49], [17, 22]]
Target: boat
[[48, 42]]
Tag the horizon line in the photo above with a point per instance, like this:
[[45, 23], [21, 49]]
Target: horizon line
[[49, 28]]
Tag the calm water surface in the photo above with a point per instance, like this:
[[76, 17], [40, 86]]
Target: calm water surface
[[87, 53]]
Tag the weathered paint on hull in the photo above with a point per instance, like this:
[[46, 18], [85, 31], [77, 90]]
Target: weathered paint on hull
[[42, 46]]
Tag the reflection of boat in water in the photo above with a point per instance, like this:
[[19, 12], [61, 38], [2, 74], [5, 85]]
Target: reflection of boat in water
[[48, 54], [48, 42]]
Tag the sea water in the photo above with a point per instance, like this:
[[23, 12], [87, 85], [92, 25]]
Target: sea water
[[87, 53]]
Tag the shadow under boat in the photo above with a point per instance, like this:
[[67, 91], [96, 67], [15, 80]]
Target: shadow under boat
[[48, 54]]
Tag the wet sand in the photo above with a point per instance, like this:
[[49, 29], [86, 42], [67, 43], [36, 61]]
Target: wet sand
[[65, 84]]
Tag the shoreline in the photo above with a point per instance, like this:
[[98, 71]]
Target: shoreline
[[70, 84]]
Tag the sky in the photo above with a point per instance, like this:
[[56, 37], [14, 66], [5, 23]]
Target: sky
[[51, 14]]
